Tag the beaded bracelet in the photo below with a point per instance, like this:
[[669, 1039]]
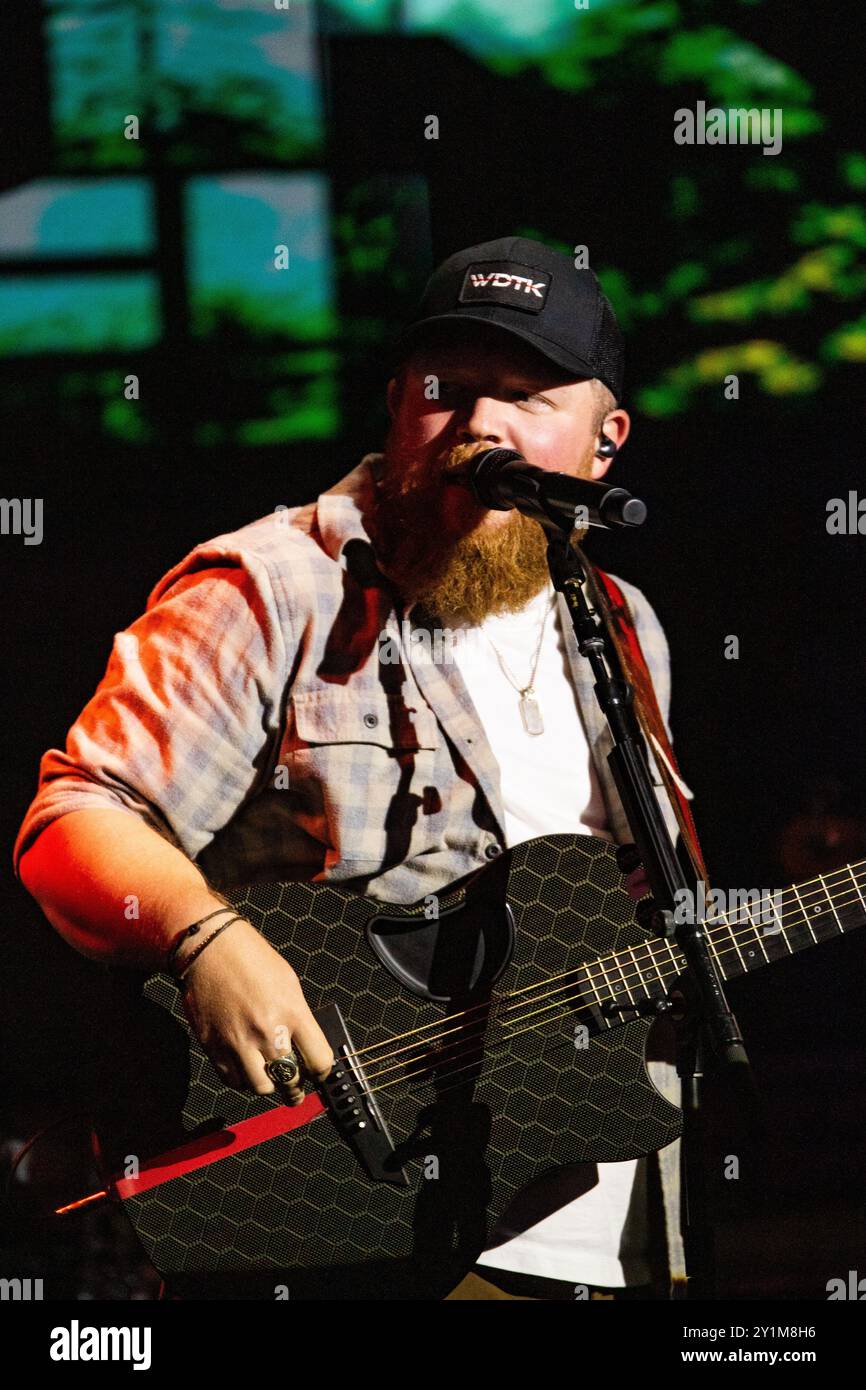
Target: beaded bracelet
[[180, 977], [191, 931]]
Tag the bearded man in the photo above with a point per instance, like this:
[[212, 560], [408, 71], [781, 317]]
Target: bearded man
[[250, 725]]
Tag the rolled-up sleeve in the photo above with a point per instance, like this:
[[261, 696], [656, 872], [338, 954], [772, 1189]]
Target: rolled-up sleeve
[[180, 728]]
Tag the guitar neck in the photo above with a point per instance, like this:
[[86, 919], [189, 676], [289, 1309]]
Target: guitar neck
[[805, 914], [761, 929]]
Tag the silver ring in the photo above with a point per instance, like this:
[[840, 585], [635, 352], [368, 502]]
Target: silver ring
[[284, 1071]]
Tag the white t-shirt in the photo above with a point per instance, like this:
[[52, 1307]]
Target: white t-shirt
[[550, 786]]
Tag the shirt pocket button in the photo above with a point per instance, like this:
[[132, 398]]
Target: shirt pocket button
[[371, 720]]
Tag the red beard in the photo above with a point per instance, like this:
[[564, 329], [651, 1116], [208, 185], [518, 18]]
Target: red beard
[[438, 552]]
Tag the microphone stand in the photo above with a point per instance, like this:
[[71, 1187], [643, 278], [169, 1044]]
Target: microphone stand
[[704, 1022]]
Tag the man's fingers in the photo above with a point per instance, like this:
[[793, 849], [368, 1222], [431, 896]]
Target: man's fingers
[[231, 1071], [313, 1048], [245, 1068], [257, 1079]]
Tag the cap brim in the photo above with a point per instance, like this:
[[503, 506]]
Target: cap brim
[[554, 354]]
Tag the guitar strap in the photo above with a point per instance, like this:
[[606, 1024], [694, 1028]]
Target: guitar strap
[[613, 607]]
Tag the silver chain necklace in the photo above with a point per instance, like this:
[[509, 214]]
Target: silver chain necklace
[[530, 710]]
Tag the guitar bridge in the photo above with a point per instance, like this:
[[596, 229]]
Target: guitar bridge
[[349, 1100]]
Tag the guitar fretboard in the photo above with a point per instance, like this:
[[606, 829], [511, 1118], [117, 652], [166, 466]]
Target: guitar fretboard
[[755, 933]]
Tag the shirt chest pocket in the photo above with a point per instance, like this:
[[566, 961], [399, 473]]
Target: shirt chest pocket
[[341, 717], [358, 767]]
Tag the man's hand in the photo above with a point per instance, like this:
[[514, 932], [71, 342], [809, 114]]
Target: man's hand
[[243, 1001], [246, 1007]]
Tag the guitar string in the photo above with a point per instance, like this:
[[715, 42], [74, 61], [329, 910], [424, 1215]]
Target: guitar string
[[494, 1016], [587, 967], [478, 1060], [492, 1011], [494, 1007], [803, 922], [645, 946]]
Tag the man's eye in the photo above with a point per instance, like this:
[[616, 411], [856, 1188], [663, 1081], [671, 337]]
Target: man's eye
[[449, 390]]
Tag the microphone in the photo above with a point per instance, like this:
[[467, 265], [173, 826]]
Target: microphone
[[501, 479]]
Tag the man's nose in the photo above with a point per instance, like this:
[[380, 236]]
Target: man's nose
[[483, 418]]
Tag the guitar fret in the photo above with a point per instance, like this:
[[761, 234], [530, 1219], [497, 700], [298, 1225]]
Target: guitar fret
[[775, 929], [717, 942], [753, 924], [733, 937], [675, 962], [648, 959], [608, 986], [652, 955], [774, 935], [830, 901], [795, 926], [656, 954], [747, 940], [621, 987], [636, 979], [848, 904], [823, 921], [716, 954], [814, 908], [856, 884], [847, 912], [591, 981]]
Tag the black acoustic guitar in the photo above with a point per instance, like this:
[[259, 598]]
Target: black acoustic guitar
[[482, 1038]]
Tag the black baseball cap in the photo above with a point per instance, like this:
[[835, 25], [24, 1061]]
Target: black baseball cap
[[532, 291]]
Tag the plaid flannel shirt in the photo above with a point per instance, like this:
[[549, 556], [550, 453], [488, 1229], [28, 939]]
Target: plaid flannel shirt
[[265, 716]]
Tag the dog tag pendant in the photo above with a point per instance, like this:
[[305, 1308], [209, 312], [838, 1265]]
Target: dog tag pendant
[[530, 712]]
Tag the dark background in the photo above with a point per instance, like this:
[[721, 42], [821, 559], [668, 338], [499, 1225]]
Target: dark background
[[717, 259]]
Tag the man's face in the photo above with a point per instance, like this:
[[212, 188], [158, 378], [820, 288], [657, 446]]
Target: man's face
[[462, 390], [492, 390]]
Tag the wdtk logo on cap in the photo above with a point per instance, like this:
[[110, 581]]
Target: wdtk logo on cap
[[503, 282]]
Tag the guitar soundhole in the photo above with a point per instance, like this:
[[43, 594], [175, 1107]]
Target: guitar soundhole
[[458, 955]]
